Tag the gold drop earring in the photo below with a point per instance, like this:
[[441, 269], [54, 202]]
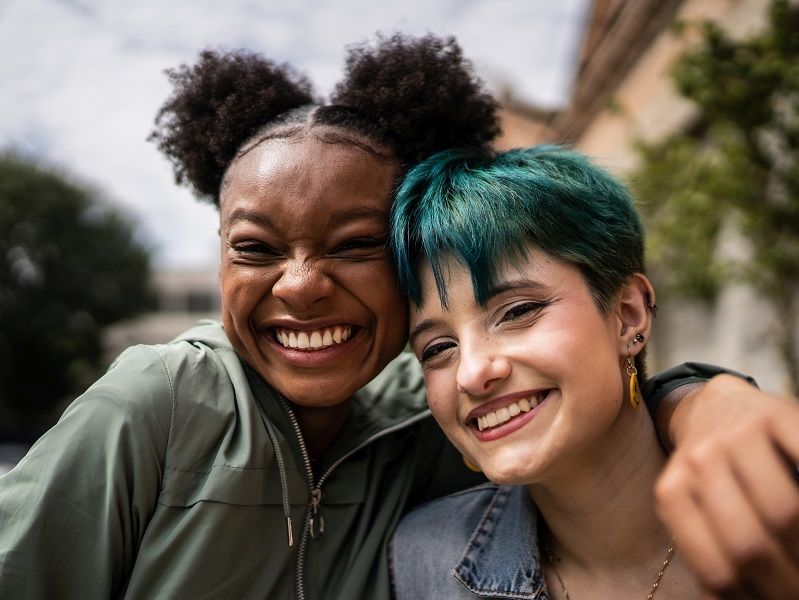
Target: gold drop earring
[[632, 372]]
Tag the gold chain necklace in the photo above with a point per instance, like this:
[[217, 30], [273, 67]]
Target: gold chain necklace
[[669, 553]]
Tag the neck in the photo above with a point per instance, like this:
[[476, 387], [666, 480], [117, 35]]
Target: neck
[[599, 507], [320, 425]]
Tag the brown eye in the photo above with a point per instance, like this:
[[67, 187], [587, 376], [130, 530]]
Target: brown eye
[[520, 310], [436, 349]]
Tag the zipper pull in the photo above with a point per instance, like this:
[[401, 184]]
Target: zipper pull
[[317, 520]]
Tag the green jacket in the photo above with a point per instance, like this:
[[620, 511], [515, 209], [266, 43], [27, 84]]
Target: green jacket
[[161, 481], [172, 477]]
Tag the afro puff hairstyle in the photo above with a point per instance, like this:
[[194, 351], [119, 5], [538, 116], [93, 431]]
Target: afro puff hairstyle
[[415, 96]]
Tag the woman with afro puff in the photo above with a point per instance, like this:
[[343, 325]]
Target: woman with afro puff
[[269, 456]]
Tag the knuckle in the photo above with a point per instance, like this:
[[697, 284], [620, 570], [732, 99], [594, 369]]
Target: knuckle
[[671, 484], [785, 519], [702, 457]]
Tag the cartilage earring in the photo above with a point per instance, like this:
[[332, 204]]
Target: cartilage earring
[[632, 372]]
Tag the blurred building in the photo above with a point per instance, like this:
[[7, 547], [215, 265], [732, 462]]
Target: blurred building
[[183, 297], [622, 93]]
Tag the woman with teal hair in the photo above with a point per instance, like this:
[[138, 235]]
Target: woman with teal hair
[[530, 313]]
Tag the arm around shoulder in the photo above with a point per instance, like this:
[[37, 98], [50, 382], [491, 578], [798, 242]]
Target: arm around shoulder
[[74, 509]]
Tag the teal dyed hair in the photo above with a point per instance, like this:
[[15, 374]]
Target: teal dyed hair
[[481, 208]]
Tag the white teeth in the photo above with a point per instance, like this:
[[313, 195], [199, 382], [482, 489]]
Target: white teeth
[[503, 415], [506, 413], [313, 340], [302, 340], [316, 340]]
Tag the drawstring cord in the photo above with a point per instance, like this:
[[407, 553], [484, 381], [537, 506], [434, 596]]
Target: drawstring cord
[[270, 431]]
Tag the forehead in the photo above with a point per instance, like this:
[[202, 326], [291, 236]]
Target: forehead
[[310, 174]]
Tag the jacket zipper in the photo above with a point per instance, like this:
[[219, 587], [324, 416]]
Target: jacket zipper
[[313, 517]]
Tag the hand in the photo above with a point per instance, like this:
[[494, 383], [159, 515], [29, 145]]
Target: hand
[[728, 493]]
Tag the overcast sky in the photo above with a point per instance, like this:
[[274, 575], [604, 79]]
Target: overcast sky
[[81, 80]]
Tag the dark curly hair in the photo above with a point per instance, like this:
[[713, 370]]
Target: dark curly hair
[[414, 96]]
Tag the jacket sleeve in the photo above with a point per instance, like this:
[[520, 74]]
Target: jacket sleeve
[[73, 510], [664, 382]]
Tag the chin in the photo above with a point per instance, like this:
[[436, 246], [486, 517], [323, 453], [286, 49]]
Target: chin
[[512, 470]]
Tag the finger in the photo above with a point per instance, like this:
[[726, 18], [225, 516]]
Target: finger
[[758, 560], [679, 509], [785, 428], [768, 482]]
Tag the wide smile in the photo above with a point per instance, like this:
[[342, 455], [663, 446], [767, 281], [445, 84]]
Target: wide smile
[[314, 339], [497, 419]]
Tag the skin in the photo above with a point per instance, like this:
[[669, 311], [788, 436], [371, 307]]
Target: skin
[[587, 458], [299, 182], [303, 225]]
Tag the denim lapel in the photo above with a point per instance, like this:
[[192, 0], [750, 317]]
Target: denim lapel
[[501, 559]]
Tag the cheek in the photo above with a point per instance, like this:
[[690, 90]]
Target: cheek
[[242, 288], [442, 397]]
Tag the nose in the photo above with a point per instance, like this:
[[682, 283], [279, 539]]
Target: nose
[[479, 371], [302, 282]]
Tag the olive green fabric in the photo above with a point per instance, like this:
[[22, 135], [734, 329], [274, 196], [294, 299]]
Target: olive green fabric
[[160, 482]]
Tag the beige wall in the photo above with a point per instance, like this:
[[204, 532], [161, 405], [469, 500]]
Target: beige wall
[[737, 330]]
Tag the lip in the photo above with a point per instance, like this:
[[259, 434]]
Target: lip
[[500, 431]]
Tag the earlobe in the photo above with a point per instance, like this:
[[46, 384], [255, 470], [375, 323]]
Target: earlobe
[[635, 311]]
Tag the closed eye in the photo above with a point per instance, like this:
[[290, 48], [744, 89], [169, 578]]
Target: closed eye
[[253, 249], [365, 243]]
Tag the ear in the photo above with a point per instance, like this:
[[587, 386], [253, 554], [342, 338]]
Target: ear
[[634, 313]]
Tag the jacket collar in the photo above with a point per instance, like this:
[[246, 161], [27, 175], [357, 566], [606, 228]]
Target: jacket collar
[[501, 559], [393, 400]]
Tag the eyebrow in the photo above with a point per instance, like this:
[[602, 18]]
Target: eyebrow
[[420, 329], [355, 214], [245, 214], [513, 284], [336, 219]]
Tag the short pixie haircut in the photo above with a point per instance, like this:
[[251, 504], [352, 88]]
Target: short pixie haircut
[[481, 207]]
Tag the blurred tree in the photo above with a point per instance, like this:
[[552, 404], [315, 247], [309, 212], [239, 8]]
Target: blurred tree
[[737, 170], [69, 266]]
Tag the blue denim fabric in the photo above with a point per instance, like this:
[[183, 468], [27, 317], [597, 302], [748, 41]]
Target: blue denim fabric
[[480, 542]]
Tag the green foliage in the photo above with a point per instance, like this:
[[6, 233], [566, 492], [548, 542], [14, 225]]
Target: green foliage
[[69, 266], [740, 167]]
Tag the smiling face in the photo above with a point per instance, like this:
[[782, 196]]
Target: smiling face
[[309, 294], [529, 382]]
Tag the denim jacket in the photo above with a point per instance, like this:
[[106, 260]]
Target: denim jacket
[[477, 543]]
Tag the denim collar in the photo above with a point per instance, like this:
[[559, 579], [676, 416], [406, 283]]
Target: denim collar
[[501, 559]]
